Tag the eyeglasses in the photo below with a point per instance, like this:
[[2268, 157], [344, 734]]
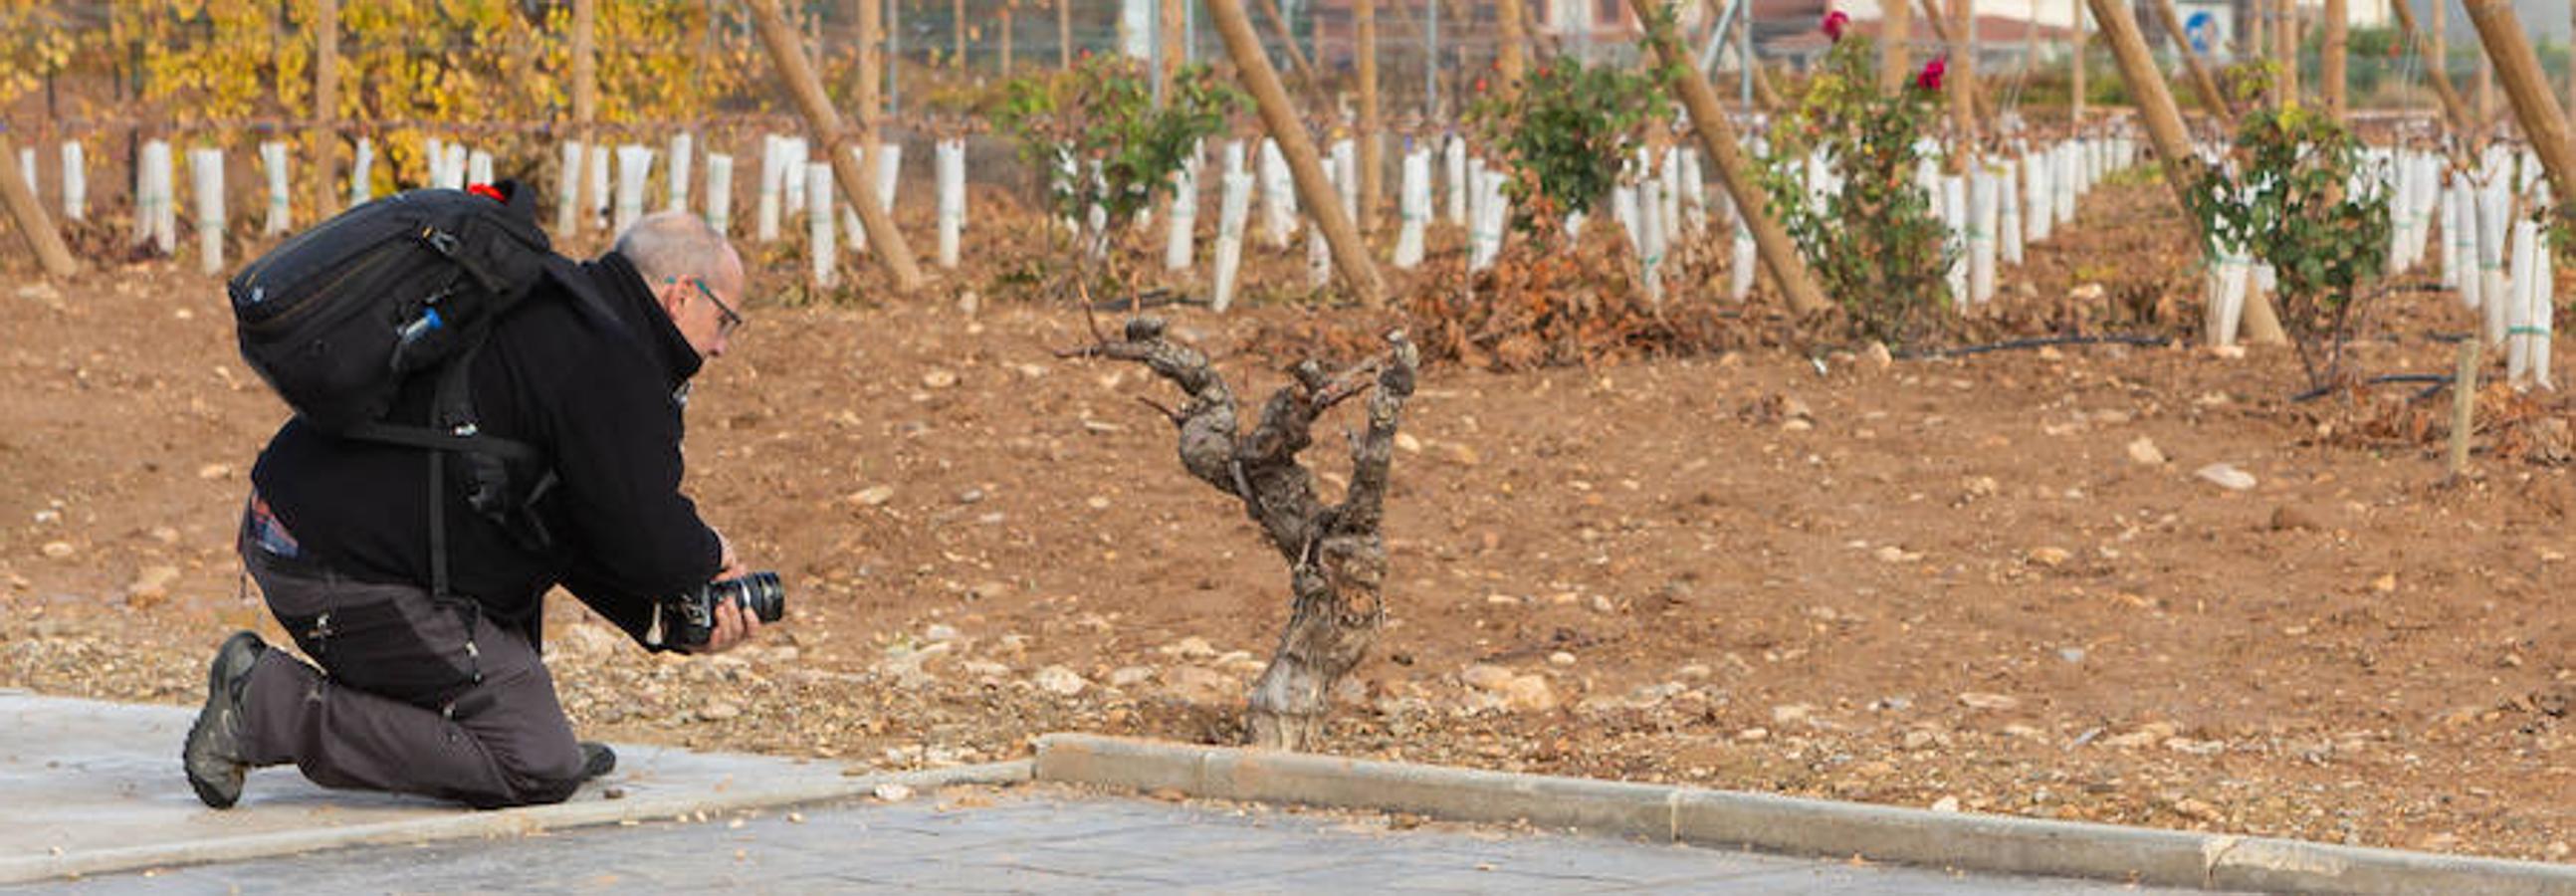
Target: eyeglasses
[[727, 319]]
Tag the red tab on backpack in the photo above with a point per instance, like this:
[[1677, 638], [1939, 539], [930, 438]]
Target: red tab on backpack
[[487, 191]]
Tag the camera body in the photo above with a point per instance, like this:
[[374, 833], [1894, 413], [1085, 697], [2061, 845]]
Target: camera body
[[689, 619]]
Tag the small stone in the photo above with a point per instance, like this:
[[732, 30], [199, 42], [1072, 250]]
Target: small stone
[[970, 496], [1753, 734], [2050, 556], [2291, 516], [1998, 702], [1560, 659], [165, 535], [1695, 672], [1946, 804], [57, 549], [153, 583], [1486, 677], [2071, 654], [2557, 850], [1130, 676], [2230, 352], [939, 632], [1529, 693], [939, 379], [1894, 554], [987, 590], [1877, 355], [2144, 451], [215, 471], [1196, 685], [1799, 424], [719, 710], [1460, 454], [1096, 502], [2385, 584], [1405, 442], [2226, 476], [1790, 712], [872, 496], [1918, 739], [1059, 681], [893, 793], [1190, 648]]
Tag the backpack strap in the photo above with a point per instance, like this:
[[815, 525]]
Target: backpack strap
[[452, 409]]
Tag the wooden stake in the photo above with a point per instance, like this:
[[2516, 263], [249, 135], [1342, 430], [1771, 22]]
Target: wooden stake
[[1962, 83], [585, 98], [2201, 81], [957, 32], [2543, 123], [1364, 15], [1064, 34], [2285, 49], [859, 187], [324, 145], [2453, 109], [1006, 40], [2464, 405], [2331, 72], [33, 223], [1895, 62], [1717, 137], [1507, 53], [1288, 45], [866, 107], [2075, 97], [1280, 118], [1173, 27], [2164, 129]]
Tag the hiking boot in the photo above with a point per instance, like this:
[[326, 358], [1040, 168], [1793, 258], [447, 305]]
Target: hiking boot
[[213, 755], [597, 760]]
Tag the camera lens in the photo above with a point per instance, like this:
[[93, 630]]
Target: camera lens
[[760, 593]]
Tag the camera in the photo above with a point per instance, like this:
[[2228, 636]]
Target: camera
[[689, 619]]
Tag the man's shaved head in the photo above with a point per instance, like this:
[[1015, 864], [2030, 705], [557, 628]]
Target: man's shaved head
[[678, 245]]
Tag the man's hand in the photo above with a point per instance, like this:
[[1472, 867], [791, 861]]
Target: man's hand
[[734, 627], [729, 563]]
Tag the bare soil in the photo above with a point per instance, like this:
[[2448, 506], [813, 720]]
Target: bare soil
[[1946, 582]]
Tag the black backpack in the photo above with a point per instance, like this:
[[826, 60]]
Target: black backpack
[[340, 317]]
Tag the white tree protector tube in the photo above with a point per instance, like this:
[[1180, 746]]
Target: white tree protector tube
[[2037, 207], [597, 169], [567, 188], [457, 157], [2401, 216], [1739, 273], [2236, 268], [889, 170], [1180, 237], [75, 182], [1278, 197], [2492, 233], [818, 224], [634, 162], [1231, 211], [1623, 209], [1954, 218], [27, 170], [720, 192], [362, 176], [2428, 203], [1346, 176], [1650, 239], [1066, 184], [852, 232], [434, 155], [1098, 216], [773, 187], [1413, 208], [949, 158], [1694, 193], [1453, 164], [272, 162], [154, 218], [206, 172], [797, 154], [1319, 259], [1668, 190], [2543, 309], [2062, 170], [1981, 237], [2008, 212], [2521, 274], [478, 167], [1485, 233], [684, 149], [2459, 237]]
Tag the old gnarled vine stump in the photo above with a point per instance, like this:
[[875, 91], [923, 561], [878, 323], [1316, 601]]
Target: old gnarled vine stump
[[1336, 557]]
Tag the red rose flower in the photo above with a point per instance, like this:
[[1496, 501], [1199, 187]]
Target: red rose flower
[[1930, 79], [1835, 22]]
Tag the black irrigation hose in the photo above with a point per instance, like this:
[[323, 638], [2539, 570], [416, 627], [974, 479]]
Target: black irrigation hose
[[2039, 342], [2440, 381]]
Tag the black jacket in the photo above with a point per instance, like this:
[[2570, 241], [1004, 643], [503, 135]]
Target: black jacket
[[602, 398]]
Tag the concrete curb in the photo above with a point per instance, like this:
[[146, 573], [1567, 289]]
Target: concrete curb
[[1992, 843], [503, 823]]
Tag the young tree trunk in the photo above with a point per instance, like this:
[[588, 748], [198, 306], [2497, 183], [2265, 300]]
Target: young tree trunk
[[2433, 50], [2330, 71], [871, 67], [1895, 65], [1279, 117], [325, 143], [19, 197], [2543, 123], [585, 95], [1507, 53], [1064, 34], [2075, 97], [1364, 13], [2201, 82], [892, 250], [1335, 553]]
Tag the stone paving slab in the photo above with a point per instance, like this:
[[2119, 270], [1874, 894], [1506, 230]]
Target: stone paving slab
[[1053, 839]]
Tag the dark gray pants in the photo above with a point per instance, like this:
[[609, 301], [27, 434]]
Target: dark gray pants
[[415, 695]]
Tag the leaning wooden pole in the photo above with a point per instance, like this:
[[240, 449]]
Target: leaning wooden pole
[[1280, 117], [33, 223], [2164, 129], [2453, 109], [324, 142], [1288, 45], [1779, 255], [2201, 81], [780, 40], [2543, 123], [585, 104]]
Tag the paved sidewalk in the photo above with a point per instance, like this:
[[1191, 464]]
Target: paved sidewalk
[[1052, 839]]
